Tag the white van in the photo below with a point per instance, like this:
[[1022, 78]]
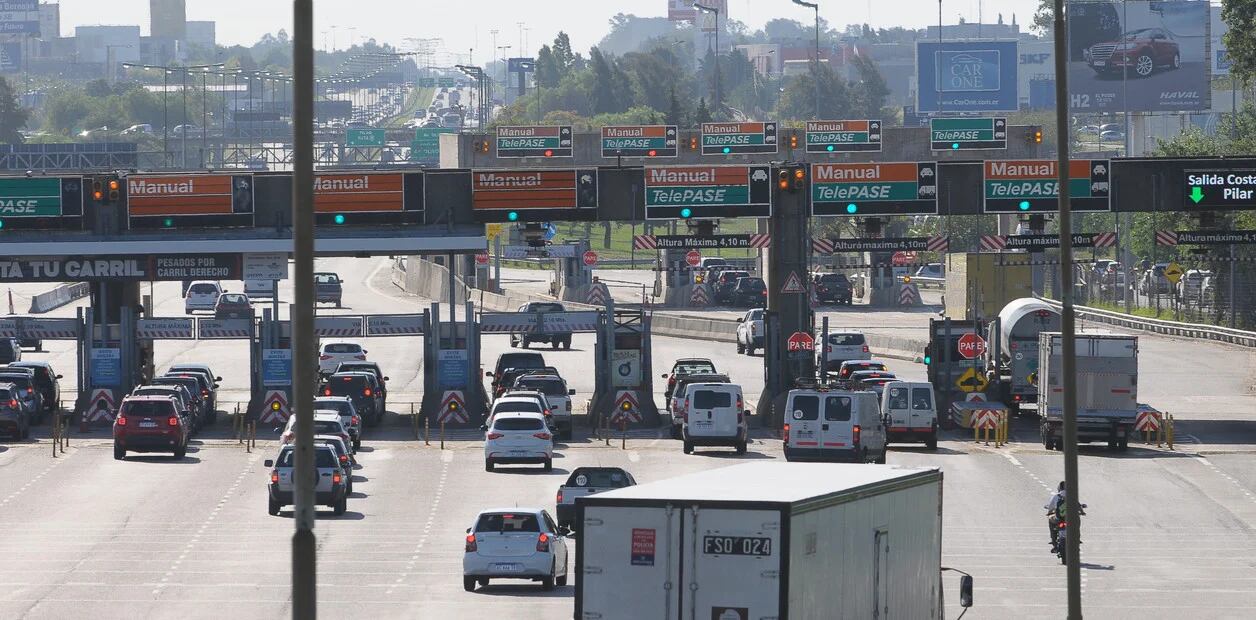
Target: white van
[[202, 295], [909, 410], [714, 415], [833, 425]]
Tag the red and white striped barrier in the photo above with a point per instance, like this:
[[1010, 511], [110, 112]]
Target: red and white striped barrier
[[993, 242]]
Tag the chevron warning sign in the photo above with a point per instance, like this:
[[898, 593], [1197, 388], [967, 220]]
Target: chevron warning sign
[[275, 408], [699, 297], [993, 242], [453, 408], [908, 295], [938, 243], [1166, 237], [1104, 239], [627, 409], [760, 240], [985, 419], [1147, 420], [598, 294], [821, 246], [645, 242], [102, 406]]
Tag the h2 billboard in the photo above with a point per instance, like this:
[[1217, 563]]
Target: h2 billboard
[[1140, 56], [966, 76]]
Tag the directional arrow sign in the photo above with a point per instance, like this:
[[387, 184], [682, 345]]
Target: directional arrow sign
[[1220, 189], [1197, 194], [971, 381]]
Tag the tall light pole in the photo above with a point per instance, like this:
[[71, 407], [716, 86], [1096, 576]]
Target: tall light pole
[[815, 70], [505, 76], [715, 11]]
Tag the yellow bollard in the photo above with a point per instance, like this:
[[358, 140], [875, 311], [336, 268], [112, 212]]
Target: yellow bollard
[[623, 433], [1170, 430], [606, 430], [976, 432], [442, 435], [427, 432]]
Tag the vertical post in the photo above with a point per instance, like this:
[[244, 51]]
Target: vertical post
[[1067, 321], [304, 575], [453, 279], [497, 263], [824, 349]]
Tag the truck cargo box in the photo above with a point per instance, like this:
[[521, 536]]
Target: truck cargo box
[[764, 541], [978, 285]]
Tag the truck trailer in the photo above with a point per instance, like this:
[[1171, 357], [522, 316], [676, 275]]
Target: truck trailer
[[1107, 388], [1016, 333], [765, 540]]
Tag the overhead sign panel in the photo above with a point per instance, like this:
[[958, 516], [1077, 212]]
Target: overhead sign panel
[[1139, 56], [189, 200], [534, 195], [534, 141], [151, 267], [1031, 185], [425, 148], [41, 203], [368, 198], [738, 138], [1219, 189], [843, 136], [639, 141], [685, 192], [962, 134], [870, 188], [966, 76], [365, 138]]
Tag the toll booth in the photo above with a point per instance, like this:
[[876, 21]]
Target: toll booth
[[270, 393], [453, 391], [954, 376], [623, 386]]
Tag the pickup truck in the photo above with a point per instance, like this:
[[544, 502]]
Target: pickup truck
[[327, 288], [585, 481], [750, 332], [554, 339]]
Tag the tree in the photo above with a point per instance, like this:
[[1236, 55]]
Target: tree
[[1240, 39], [97, 88], [702, 114], [871, 92], [547, 70], [13, 116], [565, 59], [675, 114], [798, 100], [1044, 19], [603, 87]]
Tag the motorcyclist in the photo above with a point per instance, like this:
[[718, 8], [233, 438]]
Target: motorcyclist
[[1053, 507]]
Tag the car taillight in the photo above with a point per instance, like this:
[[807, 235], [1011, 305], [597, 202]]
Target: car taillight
[[121, 421], [366, 391], [344, 458], [470, 543], [558, 499], [493, 435], [172, 421], [326, 391], [354, 420], [542, 542], [336, 478], [324, 357], [854, 432], [740, 403], [545, 436], [568, 405], [30, 391], [1016, 398], [865, 348], [1063, 523], [785, 433], [828, 348], [359, 357], [274, 476], [671, 381], [204, 392]]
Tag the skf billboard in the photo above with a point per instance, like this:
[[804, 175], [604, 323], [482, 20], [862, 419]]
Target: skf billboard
[[1140, 56], [966, 76]]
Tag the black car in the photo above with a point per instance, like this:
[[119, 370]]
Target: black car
[[833, 288], [25, 391], [327, 288], [361, 388], [46, 381], [10, 350], [553, 338], [750, 292], [722, 285], [380, 379], [193, 387], [507, 361], [207, 388]]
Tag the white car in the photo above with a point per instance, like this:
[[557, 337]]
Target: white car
[[842, 346], [515, 543], [750, 331], [518, 437], [332, 353], [202, 295], [714, 416], [326, 422]]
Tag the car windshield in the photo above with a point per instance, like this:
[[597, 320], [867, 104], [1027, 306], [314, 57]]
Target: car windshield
[[710, 399], [922, 399], [898, 398], [507, 522], [21, 382], [846, 339], [528, 406], [233, 299], [342, 347], [689, 368], [1134, 35], [151, 408], [732, 276], [545, 308], [548, 387], [518, 424], [751, 284], [833, 278], [203, 289], [856, 367], [326, 278], [341, 407], [613, 478]]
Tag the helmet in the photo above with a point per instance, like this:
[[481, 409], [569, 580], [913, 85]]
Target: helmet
[[1061, 485]]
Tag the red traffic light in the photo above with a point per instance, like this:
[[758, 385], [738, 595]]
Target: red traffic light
[[652, 153], [549, 153]]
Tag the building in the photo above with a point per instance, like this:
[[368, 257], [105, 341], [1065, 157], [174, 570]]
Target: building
[[954, 32], [49, 21], [167, 19], [766, 57], [201, 34], [107, 44]]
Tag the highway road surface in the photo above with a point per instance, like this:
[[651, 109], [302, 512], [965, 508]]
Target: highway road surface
[[1169, 534]]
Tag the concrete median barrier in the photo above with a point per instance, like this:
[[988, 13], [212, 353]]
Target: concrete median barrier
[[58, 297]]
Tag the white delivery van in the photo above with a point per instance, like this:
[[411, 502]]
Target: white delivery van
[[803, 541], [910, 412], [714, 416], [833, 425]]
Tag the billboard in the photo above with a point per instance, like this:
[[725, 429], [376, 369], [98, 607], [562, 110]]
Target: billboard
[[1140, 56], [966, 76], [10, 57], [196, 200]]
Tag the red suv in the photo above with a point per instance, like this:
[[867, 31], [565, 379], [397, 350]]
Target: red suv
[[1142, 51], [150, 424]]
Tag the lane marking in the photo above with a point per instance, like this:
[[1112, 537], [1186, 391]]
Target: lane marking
[[446, 458]]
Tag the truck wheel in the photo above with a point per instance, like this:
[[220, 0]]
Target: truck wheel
[[688, 447], [932, 441], [567, 343], [554, 344], [740, 349], [468, 583], [1112, 444]]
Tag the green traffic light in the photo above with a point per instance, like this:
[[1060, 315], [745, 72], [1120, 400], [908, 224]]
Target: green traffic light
[[851, 208], [513, 216], [954, 146], [928, 360], [339, 219], [686, 212], [727, 150], [1, 223], [168, 222], [830, 147], [1024, 205]]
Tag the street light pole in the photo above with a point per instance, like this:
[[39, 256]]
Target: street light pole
[[716, 11], [815, 70]]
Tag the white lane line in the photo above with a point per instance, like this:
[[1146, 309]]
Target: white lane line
[[45, 472], [446, 458]]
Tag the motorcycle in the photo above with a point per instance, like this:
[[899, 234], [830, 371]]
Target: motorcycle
[[1061, 537]]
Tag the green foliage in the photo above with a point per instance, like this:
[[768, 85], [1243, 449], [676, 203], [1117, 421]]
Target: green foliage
[[1240, 38], [13, 116]]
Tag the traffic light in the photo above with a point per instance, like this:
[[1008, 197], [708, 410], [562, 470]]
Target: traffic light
[[782, 179], [1034, 136], [928, 357], [98, 189], [115, 189], [339, 219], [482, 146], [693, 143], [799, 177], [793, 140]]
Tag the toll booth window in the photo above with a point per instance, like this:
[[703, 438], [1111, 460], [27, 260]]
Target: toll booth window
[[710, 399], [921, 399], [898, 398], [806, 408], [837, 409], [630, 341], [503, 522]]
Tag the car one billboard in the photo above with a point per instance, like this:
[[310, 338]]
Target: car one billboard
[[1140, 56], [966, 76]]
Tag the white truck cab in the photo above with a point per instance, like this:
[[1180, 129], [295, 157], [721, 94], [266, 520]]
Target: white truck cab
[[909, 410], [714, 415], [833, 425]]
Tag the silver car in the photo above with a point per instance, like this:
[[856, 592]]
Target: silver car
[[515, 543], [349, 417], [331, 487]]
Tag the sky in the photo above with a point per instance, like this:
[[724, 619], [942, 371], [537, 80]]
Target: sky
[[466, 24]]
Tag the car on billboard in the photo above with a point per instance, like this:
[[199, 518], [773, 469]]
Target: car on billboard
[[1138, 52]]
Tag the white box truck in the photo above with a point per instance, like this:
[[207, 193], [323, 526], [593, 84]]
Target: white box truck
[[763, 541], [1107, 388]]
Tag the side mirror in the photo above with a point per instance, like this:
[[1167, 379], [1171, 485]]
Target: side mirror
[[966, 591], [59, 376], [571, 392], [268, 463], [663, 376], [747, 413], [484, 427], [564, 530], [387, 379], [364, 351], [489, 375], [468, 530], [215, 378]]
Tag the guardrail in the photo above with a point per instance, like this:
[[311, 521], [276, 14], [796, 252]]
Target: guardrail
[[57, 297], [1159, 326]]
